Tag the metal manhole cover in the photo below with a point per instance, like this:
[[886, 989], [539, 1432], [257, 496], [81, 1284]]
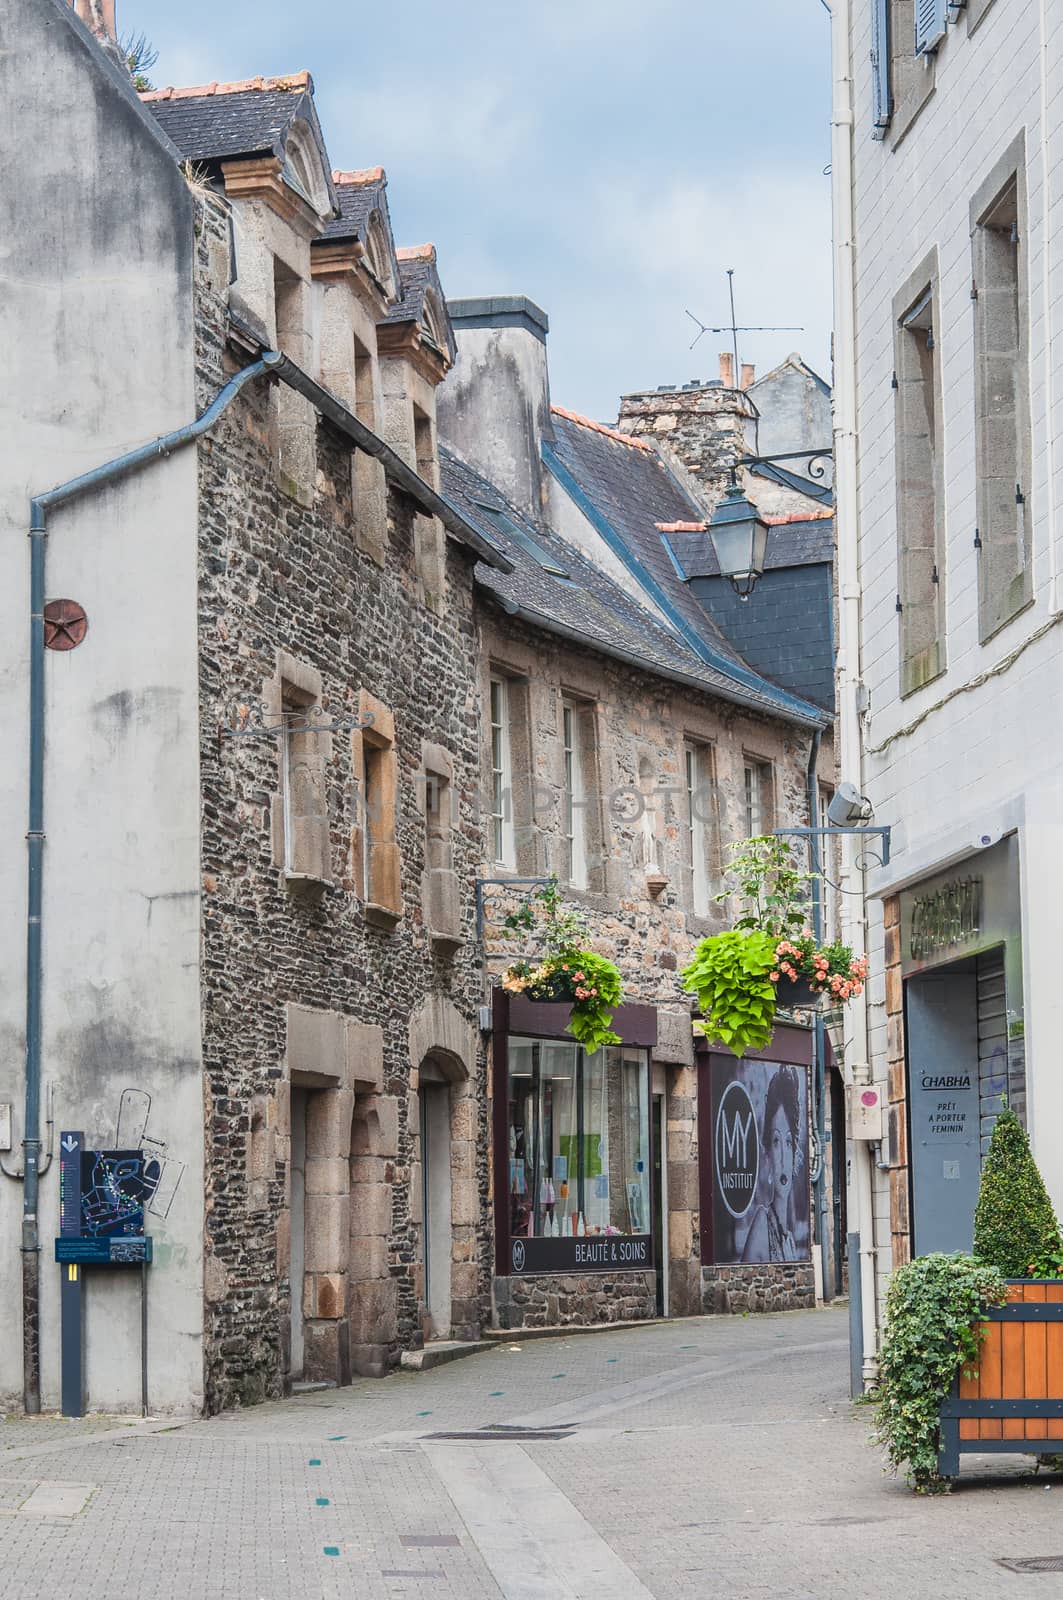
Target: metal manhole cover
[[1031, 1563]]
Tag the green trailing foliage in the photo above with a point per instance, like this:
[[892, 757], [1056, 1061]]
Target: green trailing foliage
[[934, 1329], [1015, 1227], [567, 970], [736, 997]]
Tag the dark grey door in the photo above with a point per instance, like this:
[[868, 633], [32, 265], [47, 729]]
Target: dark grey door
[[942, 1027]]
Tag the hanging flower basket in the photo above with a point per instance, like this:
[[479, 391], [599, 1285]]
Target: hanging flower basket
[[555, 988], [568, 972], [743, 976], [796, 994]]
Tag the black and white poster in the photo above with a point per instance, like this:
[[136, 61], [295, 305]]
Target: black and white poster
[[760, 1162]]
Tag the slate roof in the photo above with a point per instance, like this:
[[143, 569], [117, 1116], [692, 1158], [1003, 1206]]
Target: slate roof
[[798, 543], [418, 274], [589, 605], [358, 195], [216, 122], [629, 485]]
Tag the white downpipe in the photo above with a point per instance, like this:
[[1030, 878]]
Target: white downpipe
[[850, 732]]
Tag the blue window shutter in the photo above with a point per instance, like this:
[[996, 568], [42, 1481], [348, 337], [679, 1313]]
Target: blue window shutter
[[881, 65], [931, 20]]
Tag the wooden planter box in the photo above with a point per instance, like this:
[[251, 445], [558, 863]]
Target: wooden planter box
[[1015, 1403]]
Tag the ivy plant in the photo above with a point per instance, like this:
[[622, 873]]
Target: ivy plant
[[934, 1329], [1015, 1226], [736, 997]]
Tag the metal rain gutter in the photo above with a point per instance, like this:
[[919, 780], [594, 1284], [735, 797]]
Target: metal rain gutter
[[396, 470]]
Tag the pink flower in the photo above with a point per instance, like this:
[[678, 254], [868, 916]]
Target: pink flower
[[774, 976], [578, 975]]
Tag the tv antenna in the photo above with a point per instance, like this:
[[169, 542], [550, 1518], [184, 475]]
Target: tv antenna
[[732, 327]]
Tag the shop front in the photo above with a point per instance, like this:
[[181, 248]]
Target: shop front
[[756, 1150], [961, 968], [576, 1186]]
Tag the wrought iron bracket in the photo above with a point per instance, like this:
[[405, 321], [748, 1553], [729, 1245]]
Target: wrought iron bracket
[[485, 883], [262, 721], [881, 858], [817, 461]]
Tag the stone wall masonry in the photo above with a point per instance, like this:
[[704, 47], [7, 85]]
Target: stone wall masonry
[[774, 1286], [280, 576], [551, 1302], [640, 719]]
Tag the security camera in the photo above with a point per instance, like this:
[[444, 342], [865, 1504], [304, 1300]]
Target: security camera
[[983, 838], [848, 807]]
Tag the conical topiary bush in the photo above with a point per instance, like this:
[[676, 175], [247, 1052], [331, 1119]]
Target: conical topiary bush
[[1014, 1221]]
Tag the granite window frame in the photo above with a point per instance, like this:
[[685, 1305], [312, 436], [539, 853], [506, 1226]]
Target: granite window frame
[[919, 432], [440, 898], [699, 831], [912, 77], [758, 796], [376, 864], [300, 822], [582, 842], [999, 219]]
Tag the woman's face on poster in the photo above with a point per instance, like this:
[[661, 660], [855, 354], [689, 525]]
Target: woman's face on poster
[[781, 1153]]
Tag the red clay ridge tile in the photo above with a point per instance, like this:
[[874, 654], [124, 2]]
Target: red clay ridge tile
[[417, 252], [800, 516], [773, 522], [293, 81], [599, 427], [358, 178]]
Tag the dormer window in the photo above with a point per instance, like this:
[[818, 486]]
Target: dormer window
[[379, 257], [302, 168], [432, 323]]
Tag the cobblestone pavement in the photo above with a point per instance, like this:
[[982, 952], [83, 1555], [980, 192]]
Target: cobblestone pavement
[[716, 1457]]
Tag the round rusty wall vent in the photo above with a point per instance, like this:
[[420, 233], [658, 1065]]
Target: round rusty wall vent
[[65, 625]]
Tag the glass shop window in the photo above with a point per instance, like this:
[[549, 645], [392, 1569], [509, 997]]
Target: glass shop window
[[579, 1140]]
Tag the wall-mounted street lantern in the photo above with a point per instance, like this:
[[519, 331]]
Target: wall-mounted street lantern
[[740, 538]]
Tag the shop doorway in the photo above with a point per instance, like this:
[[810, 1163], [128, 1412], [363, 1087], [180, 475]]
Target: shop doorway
[[437, 1226], [961, 1073], [657, 1209], [297, 1265]]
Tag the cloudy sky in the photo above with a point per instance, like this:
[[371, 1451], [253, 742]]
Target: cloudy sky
[[608, 158]]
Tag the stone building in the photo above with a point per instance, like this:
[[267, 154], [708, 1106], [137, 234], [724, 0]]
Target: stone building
[[628, 741], [947, 278], [303, 680], [260, 815]]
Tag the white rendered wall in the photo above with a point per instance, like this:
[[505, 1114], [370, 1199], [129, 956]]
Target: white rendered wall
[[989, 758], [95, 323]]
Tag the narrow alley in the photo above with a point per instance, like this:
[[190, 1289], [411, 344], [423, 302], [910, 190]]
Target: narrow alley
[[708, 1457]]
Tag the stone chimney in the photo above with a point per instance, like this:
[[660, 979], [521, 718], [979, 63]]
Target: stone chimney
[[703, 427], [98, 17], [494, 407], [749, 375]]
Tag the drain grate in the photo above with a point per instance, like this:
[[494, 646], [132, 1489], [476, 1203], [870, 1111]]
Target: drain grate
[[506, 1436], [1031, 1563], [429, 1541]]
